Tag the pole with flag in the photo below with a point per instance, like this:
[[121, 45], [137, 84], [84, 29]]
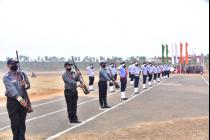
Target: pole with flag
[[176, 53], [172, 53], [163, 50], [181, 57], [186, 51], [167, 53]]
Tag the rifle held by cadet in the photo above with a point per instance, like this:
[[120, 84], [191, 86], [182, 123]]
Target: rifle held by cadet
[[113, 80], [85, 90], [25, 94]]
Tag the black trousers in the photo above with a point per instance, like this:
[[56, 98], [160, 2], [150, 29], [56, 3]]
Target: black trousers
[[144, 79], [155, 76], [115, 78], [136, 81], [168, 73], [17, 115], [102, 93], [163, 74], [91, 80], [132, 77], [123, 82], [158, 75], [150, 77], [71, 97]]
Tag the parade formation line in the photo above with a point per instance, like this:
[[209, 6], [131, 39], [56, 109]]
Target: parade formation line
[[99, 114], [54, 112]]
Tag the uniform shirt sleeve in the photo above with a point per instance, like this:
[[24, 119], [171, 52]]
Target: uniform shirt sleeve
[[105, 75], [78, 78], [10, 87], [68, 80]]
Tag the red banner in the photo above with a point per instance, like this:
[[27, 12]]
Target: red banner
[[181, 57], [186, 56]]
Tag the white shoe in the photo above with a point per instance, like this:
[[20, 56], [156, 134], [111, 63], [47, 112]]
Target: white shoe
[[111, 88], [122, 95], [91, 88], [155, 82], [131, 82], [136, 90], [144, 86], [158, 79], [150, 83]]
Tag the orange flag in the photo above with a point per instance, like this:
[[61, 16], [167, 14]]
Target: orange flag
[[181, 57], [186, 57]]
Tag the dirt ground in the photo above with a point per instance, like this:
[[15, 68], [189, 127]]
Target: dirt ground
[[45, 85], [179, 129]]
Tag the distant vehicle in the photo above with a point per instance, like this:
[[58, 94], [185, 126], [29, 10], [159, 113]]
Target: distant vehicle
[[33, 74]]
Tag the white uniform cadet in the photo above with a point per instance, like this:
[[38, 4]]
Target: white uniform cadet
[[145, 74], [91, 75], [150, 70], [113, 72], [137, 72], [131, 73], [159, 72], [155, 73]]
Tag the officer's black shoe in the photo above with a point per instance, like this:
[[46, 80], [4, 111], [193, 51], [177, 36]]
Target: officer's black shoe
[[77, 121], [106, 106], [102, 107], [124, 99]]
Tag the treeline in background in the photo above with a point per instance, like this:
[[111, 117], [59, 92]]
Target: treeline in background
[[53, 63]]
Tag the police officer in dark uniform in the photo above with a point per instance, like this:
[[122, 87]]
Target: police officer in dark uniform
[[104, 77], [70, 79], [16, 102]]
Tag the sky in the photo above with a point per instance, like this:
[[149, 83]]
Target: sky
[[101, 27]]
